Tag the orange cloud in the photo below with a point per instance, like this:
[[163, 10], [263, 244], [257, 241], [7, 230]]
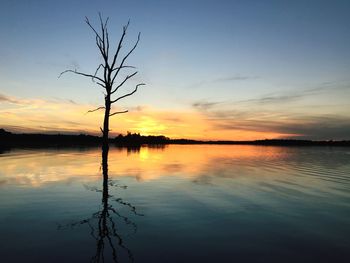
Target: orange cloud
[[55, 115], [67, 117]]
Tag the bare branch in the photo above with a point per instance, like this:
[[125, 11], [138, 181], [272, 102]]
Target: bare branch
[[137, 42], [99, 66], [126, 56], [106, 22], [103, 34], [125, 28], [100, 45], [107, 37], [118, 112], [93, 29], [99, 108], [100, 17], [100, 85], [116, 68], [100, 41], [129, 94], [125, 80], [80, 73]]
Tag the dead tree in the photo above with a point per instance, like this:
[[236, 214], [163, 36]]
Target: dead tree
[[108, 71]]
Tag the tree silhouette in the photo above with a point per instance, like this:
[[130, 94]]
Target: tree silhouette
[[107, 72]]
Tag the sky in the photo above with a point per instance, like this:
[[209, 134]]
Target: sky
[[214, 70]]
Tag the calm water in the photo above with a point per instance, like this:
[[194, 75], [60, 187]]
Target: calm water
[[176, 204]]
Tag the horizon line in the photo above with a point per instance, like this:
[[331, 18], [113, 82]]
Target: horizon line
[[60, 133]]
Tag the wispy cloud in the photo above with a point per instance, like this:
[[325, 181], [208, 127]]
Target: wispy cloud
[[72, 101], [204, 105], [33, 114], [4, 98], [223, 80], [292, 96], [279, 114], [225, 119], [233, 78], [61, 115], [308, 127], [269, 99]]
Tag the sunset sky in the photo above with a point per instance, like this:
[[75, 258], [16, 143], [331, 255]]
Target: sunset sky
[[234, 70]]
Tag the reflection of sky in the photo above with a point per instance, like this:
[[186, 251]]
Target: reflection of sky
[[214, 70], [32, 168], [225, 166], [279, 200]]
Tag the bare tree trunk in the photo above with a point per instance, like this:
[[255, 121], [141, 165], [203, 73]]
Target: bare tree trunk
[[106, 121]]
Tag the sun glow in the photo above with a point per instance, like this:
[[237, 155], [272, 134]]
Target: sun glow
[[32, 115], [150, 126]]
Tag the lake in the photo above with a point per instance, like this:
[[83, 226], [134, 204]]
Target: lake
[[178, 203]]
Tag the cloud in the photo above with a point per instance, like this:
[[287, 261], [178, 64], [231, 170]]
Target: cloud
[[4, 98], [204, 105], [224, 79], [139, 108], [74, 64], [320, 128], [276, 98], [173, 119], [281, 115], [210, 120], [72, 101], [61, 115], [282, 98], [307, 127], [35, 115], [233, 78]]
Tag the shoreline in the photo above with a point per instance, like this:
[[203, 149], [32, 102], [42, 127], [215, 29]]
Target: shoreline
[[12, 140]]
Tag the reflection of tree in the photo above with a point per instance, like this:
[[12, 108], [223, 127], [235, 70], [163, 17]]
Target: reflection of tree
[[105, 231], [136, 148]]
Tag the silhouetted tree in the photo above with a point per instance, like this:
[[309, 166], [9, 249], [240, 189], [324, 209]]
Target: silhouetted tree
[[107, 72]]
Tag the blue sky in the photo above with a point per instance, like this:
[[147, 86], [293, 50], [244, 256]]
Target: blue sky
[[276, 68]]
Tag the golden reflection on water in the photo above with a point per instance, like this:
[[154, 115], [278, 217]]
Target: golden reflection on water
[[37, 167]]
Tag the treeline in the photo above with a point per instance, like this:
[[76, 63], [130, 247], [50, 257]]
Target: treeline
[[290, 142], [8, 140], [137, 139]]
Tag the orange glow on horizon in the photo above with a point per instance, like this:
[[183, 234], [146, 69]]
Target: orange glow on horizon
[[61, 116]]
